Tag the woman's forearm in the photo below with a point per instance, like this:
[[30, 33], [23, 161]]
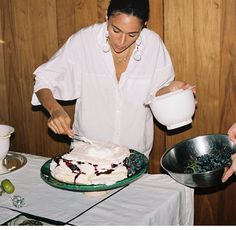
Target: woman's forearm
[[47, 100]]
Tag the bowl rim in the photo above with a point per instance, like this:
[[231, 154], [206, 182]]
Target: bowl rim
[[170, 94], [11, 130], [207, 172]]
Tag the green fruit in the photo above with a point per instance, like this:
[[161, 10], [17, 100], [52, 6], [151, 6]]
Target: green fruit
[[7, 186]]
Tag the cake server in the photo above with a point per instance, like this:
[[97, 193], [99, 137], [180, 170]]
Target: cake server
[[77, 137]]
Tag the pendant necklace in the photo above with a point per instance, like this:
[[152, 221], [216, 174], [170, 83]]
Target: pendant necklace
[[118, 59]]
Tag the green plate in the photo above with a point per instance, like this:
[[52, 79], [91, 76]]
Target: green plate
[[47, 177]]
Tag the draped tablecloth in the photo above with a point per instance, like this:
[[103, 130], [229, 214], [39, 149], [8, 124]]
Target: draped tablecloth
[[151, 200]]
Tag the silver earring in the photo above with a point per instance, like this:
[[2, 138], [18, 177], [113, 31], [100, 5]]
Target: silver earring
[[137, 55], [106, 47]]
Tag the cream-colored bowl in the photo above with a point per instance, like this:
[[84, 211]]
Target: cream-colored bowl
[[174, 109], [5, 134]]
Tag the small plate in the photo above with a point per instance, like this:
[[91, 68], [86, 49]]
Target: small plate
[[12, 162], [47, 177]]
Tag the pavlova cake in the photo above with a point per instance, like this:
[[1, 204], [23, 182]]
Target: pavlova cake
[[96, 163]]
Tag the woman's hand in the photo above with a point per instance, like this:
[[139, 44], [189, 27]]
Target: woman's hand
[[175, 85], [229, 171], [232, 169], [60, 122], [232, 132]]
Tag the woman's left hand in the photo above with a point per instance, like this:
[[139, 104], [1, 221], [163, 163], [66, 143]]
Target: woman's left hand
[[229, 171], [175, 85]]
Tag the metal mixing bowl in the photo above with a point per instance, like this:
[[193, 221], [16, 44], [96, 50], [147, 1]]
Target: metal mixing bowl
[[175, 159]]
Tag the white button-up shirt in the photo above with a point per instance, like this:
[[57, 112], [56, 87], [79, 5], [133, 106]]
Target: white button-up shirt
[[107, 110]]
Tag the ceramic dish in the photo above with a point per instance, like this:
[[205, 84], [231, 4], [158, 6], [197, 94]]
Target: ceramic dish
[[174, 109], [47, 177], [13, 161]]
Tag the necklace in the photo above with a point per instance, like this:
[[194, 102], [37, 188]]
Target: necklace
[[118, 59]]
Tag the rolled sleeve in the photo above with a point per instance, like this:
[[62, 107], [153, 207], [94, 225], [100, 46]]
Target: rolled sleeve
[[59, 74]]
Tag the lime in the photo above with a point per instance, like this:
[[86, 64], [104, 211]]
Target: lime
[[7, 186]]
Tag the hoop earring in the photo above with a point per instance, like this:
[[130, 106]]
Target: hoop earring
[[137, 55], [106, 47]]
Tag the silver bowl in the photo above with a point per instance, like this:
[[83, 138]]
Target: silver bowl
[[176, 159]]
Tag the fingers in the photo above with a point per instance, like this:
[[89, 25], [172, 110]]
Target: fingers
[[232, 135], [60, 126], [175, 85], [185, 85], [232, 132], [60, 123], [227, 174]]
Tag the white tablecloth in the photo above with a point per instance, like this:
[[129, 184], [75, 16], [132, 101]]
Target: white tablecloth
[[6, 215], [42, 199], [151, 200]]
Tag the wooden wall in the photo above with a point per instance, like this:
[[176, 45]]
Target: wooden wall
[[200, 36]]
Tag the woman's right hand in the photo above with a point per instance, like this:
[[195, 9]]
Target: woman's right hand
[[60, 122]]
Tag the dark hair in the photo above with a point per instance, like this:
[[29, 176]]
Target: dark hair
[[138, 8]]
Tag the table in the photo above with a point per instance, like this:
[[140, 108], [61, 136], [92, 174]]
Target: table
[[151, 200]]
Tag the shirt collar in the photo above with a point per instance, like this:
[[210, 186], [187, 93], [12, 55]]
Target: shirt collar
[[101, 39]]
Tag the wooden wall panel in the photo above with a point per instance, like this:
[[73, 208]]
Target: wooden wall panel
[[4, 115], [200, 36], [228, 65], [156, 24], [192, 35], [33, 30], [86, 9], [226, 214]]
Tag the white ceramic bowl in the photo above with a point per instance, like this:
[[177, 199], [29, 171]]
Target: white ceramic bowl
[[174, 109], [5, 134]]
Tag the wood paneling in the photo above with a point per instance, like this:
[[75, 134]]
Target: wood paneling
[[200, 36], [226, 214], [156, 23], [32, 31], [4, 115], [194, 46]]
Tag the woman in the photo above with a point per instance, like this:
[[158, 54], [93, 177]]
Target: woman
[[111, 69], [229, 171]]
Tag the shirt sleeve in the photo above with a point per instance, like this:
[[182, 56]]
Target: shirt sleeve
[[60, 74], [164, 71]]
